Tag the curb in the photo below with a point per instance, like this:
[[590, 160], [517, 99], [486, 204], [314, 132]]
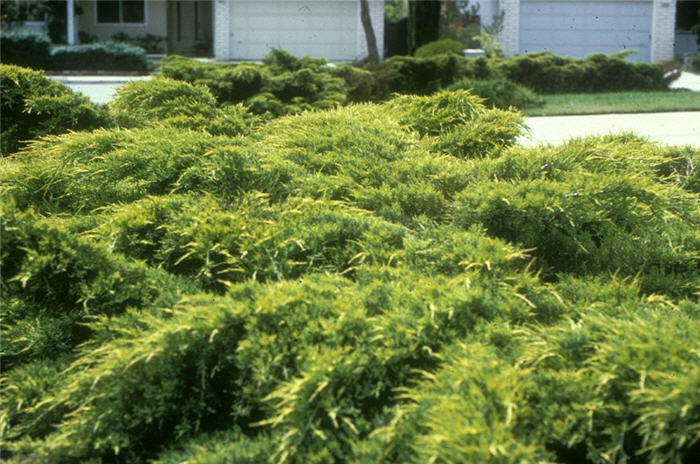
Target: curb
[[98, 79]]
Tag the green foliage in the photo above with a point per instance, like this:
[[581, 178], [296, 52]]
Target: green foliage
[[177, 103], [406, 74], [548, 73], [150, 42], [500, 93], [34, 50], [34, 105], [439, 47], [83, 171], [694, 61], [99, 56], [25, 48], [284, 85], [542, 72], [360, 83], [458, 123], [389, 282]]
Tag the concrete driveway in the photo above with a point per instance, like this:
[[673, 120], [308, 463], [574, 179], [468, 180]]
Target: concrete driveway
[[99, 89], [678, 128]]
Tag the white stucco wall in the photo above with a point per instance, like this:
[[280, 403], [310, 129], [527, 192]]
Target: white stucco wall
[[156, 21]]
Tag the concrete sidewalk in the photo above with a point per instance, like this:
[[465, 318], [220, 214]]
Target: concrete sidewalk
[[688, 81], [678, 128]]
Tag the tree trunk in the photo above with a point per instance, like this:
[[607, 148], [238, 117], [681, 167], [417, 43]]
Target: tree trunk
[[373, 52], [423, 22]]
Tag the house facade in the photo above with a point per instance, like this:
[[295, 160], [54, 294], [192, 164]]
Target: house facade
[[238, 29], [578, 28], [248, 29]]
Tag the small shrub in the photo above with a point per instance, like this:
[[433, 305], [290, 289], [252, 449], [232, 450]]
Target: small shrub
[[183, 69], [25, 48], [168, 101], [234, 84], [500, 93], [34, 105], [405, 74], [439, 47], [286, 85], [360, 84], [150, 42], [438, 113], [99, 56], [280, 61], [487, 136], [694, 62]]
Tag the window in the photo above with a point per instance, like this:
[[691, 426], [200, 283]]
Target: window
[[121, 11]]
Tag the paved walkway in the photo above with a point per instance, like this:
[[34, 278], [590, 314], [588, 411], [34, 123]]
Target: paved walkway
[[679, 128], [687, 81]]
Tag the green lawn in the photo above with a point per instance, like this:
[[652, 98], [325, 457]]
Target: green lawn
[[617, 102]]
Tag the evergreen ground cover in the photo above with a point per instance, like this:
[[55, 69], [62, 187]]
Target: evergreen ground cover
[[200, 282]]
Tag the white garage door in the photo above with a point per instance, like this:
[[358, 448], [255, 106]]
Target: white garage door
[[579, 28], [312, 28]]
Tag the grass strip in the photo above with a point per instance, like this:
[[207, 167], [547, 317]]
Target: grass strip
[[617, 102]]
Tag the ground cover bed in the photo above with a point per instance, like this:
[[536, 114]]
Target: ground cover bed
[[378, 282]]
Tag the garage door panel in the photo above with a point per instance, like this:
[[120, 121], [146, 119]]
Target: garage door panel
[[294, 37], [620, 22], [569, 37], [295, 26], [568, 22], [536, 37], [537, 21], [622, 8], [580, 28], [332, 37], [344, 52], [535, 8], [332, 23], [259, 22]]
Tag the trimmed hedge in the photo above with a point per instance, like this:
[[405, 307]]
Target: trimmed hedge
[[542, 72], [500, 93], [285, 84], [33, 105], [34, 50], [25, 48], [549, 73], [99, 56]]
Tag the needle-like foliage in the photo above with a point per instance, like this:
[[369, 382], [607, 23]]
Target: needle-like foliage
[[393, 282]]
